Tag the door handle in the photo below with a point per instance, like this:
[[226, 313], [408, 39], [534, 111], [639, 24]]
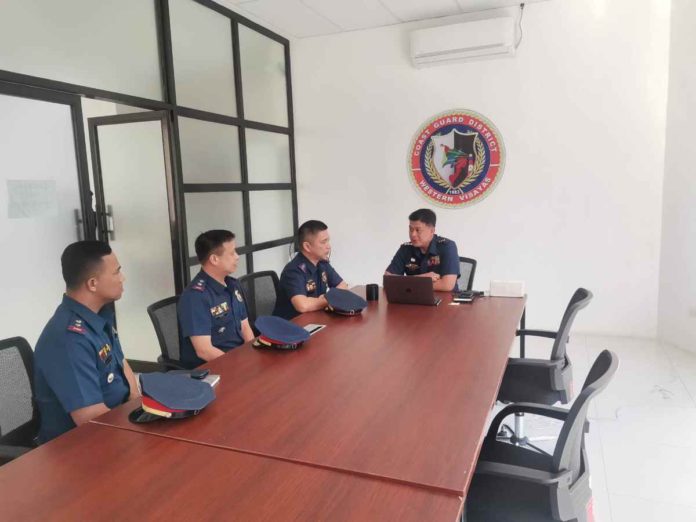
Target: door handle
[[78, 225], [110, 222]]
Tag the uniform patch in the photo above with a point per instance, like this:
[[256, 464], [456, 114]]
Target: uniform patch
[[324, 278], [220, 310], [199, 285], [411, 267], [104, 352], [456, 158], [238, 295], [311, 286], [76, 326], [434, 260]]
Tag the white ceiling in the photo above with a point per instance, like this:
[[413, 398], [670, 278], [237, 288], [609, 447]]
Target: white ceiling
[[305, 18]]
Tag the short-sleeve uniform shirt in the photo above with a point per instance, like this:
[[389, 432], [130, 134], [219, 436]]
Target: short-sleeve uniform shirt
[[78, 362], [441, 257], [301, 277], [207, 307]]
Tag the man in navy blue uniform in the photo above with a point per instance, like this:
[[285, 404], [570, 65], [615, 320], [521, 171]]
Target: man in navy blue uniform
[[427, 254], [212, 315], [79, 368], [309, 275]]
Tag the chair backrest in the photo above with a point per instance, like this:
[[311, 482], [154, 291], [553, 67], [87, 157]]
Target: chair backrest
[[260, 291], [467, 269], [581, 298], [166, 323], [567, 454], [19, 418]]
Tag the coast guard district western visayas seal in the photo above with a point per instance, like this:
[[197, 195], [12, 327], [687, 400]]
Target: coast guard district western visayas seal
[[456, 158]]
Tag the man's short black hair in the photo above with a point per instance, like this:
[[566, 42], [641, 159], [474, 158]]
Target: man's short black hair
[[424, 215], [80, 261], [209, 242], [309, 228]]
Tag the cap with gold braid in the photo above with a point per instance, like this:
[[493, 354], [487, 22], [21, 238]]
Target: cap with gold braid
[[278, 334], [171, 396]]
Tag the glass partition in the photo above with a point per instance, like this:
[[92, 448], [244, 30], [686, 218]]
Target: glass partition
[[203, 59], [209, 152], [271, 259], [268, 157], [271, 215], [263, 78], [214, 210], [105, 45]]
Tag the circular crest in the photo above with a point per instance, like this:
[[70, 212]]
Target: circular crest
[[456, 158]]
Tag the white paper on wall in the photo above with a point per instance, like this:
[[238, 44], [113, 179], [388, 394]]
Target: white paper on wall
[[31, 198]]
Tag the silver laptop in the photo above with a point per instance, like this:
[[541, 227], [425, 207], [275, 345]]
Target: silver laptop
[[410, 290]]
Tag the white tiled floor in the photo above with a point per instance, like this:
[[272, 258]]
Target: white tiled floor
[[642, 440]]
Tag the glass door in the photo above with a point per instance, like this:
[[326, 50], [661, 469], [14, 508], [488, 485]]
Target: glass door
[[131, 159]]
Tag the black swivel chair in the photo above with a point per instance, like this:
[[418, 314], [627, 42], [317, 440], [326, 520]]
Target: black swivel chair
[[512, 483], [19, 417], [166, 323], [260, 291], [467, 269], [543, 381]]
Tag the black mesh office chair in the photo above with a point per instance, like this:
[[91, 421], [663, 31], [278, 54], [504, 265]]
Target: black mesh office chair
[[516, 484], [164, 319], [19, 418], [467, 269], [260, 291], [543, 381]]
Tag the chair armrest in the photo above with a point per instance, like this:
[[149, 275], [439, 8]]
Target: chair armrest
[[171, 364], [537, 476], [548, 363], [12, 452], [525, 407], [537, 333]]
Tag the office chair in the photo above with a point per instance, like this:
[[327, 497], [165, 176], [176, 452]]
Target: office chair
[[516, 484], [19, 417], [467, 269], [166, 323], [542, 381], [260, 291]]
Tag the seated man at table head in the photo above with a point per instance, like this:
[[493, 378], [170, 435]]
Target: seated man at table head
[[79, 368], [211, 310], [309, 275], [427, 254]]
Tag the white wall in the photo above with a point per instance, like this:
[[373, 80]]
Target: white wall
[[677, 305], [582, 111]]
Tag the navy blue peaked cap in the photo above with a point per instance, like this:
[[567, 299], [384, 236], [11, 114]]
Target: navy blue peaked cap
[[280, 330], [177, 391], [345, 302], [172, 396]]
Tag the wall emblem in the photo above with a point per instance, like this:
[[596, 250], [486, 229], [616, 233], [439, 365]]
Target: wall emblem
[[456, 158]]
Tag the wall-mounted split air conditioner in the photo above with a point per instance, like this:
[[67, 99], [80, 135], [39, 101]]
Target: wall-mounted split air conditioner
[[482, 39]]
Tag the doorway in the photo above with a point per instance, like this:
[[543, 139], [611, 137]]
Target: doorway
[[135, 213]]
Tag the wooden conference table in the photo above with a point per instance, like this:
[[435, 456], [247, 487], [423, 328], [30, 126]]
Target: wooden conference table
[[397, 397]]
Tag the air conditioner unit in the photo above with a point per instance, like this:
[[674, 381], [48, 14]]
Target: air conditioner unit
[[490, 38]]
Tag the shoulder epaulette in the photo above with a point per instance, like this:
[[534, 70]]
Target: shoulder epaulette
[[442, 240], [199, 285], [407, 243], [76, 325], [303, 267]]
